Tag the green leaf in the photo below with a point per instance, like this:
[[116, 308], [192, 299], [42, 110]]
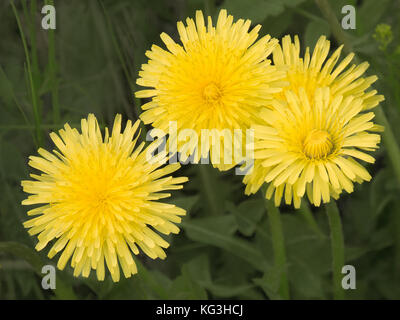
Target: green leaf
[[148, 277], [257, 10], [337, 5], [24, 252], [247, 215], [369, 15], [304, 245], [213, 187], [277, 26], [270, 283], [199, 268], [227, 291], [145, 285], [62, 291], [306, 282], [133, 288], [382, 191], [218, 232], [314, 30], [186, 202], [186, 286]]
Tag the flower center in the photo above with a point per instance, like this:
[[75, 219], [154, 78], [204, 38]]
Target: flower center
[[101, 198], [211, 92], [97, 196], [318, 144]]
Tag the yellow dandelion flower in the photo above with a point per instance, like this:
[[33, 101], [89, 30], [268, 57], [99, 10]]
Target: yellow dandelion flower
[[311, 146], [316, 71], [217, 79], [98, 197]]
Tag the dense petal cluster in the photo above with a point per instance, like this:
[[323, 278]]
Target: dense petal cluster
[[98, 199], [317, 71], [311, 146], [316, 127], [219, 78]]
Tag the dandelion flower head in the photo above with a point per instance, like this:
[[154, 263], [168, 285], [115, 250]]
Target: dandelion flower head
[[317, 70], [312, 147], [97, 199], [319, 127], [218, 78]]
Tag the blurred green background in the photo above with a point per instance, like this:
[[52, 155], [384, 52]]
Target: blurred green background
[[90, 63]]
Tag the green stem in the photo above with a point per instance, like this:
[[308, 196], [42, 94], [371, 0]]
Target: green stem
[[390, 141], [208, 188], [10, 89], [308, 15], [337, 244], [308, 216], [278, 244], [52, 65], [34, 95], [388, 137], [128, 75], [336, 28], [396, 227]]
